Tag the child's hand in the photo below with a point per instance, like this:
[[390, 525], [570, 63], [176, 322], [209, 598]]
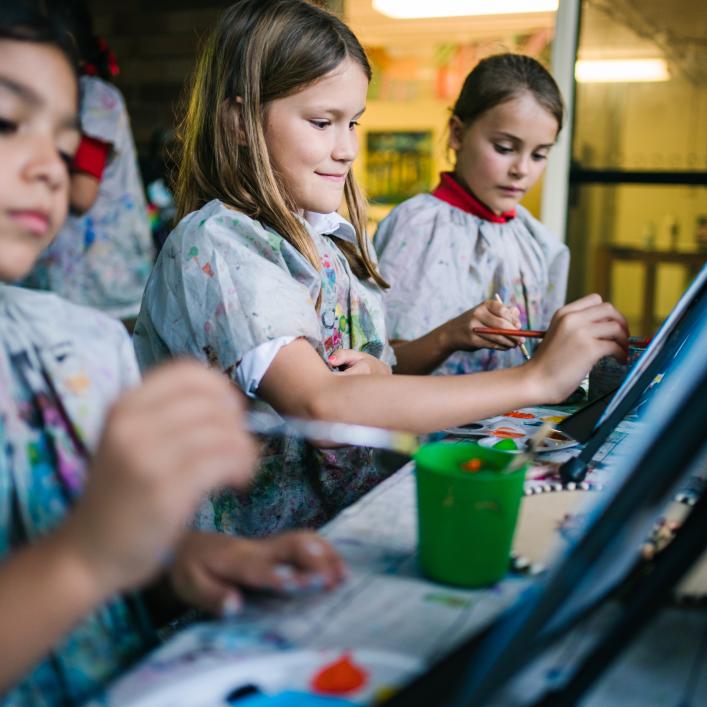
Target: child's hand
[[491, 314], [208, 567], [163, 446], [358, 363], [580, 334]]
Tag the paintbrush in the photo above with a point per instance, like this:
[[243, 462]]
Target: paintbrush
[[522, 347], [531, 449], [528, 333], [404, 443]]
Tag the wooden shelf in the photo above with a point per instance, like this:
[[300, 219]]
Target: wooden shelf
[[607, 255]]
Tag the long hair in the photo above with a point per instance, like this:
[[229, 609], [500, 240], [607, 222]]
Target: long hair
[[261, 50], [502, 77]]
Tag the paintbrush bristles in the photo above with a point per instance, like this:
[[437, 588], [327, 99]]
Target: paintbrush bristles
[[532, 447]]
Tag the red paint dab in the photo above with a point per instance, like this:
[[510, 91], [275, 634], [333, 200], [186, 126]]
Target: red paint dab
[[520, 415], [207, 269], [339, 677], [472, 465]]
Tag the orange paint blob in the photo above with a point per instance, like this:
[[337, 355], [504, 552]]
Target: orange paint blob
[[471, 465], [506, 433], [207, 269], [520, 415], [340, 677]]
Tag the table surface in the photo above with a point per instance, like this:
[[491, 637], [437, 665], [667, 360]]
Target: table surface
[[386, 610]]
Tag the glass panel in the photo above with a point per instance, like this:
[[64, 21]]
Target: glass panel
[[623, 235], [639, 243], [652, 125]]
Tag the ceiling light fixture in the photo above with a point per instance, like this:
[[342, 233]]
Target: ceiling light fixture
[[411, 9], [620, 70]]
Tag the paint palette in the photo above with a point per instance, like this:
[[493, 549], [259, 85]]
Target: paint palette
[[510, 432], [307, 678]]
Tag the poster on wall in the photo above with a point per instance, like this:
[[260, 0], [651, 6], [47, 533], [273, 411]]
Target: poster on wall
[[398, 165]]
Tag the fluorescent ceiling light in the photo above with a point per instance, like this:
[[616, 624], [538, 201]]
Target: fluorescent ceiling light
[[410, 9], [620, 70]]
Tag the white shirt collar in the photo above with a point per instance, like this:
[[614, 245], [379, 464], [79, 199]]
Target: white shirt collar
[[330, 224]]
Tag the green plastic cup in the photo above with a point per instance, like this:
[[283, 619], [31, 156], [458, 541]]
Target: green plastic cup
[[466, 519]]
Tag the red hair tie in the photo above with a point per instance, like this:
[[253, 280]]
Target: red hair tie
[[113, 69]]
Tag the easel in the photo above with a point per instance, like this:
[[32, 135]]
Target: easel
[[475, 672]]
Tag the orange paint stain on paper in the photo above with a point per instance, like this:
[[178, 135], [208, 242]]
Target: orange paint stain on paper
[[339, 677], [78, 383], [207, 269]]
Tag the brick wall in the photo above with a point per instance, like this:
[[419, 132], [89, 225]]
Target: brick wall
[[155, 43]]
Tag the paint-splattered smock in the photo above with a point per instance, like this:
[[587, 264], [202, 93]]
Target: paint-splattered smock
[[224, 286], [103, 258], [441, 260], [60, 367]]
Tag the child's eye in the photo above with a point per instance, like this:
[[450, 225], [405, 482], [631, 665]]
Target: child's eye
[[353, 124], [7, 127], [502, 149], [321, 124], [66, 158], [539, 157]]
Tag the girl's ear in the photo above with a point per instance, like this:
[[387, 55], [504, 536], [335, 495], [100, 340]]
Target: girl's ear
[[456, 133], [233, 108]]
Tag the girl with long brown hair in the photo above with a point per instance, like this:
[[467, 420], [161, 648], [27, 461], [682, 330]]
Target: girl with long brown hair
[[266, 281]]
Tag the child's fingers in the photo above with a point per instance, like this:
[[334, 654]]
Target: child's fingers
[[345, 357], [612, 332], [498, 316], [312, 553], [493, 311], [490, 341], [582, 303], [309, 556], [515, 317], [212, 593]]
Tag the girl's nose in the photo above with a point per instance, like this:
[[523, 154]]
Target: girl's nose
[[520, 165], [45, 163], [346, 147]]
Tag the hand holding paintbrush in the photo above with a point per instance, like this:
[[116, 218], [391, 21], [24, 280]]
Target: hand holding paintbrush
[[483, 327], [522, 347]]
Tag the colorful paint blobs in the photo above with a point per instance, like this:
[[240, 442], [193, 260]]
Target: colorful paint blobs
[[472, 465], [340, 677], [554, 418], [193, 252], [207, 269], [520, 415], [506, 445]]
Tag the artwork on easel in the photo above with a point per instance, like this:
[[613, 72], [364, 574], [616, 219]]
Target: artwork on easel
[[398, 165]]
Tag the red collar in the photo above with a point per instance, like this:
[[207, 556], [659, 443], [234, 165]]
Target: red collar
[[450, 191]]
